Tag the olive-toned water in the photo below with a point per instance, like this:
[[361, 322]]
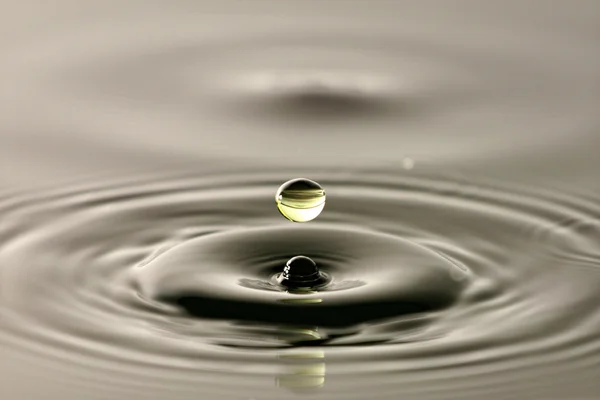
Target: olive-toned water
[[142, 144]]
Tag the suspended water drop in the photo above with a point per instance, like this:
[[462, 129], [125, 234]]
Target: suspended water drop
[[301, 272], [300, 200]]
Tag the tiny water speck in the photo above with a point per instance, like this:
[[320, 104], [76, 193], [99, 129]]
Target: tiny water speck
[[300, 200], [408, 163]]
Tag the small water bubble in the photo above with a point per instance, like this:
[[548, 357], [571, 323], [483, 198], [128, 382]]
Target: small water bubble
[[300, 200], [408, 163]]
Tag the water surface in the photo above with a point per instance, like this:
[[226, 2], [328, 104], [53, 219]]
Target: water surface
[[142, 144]]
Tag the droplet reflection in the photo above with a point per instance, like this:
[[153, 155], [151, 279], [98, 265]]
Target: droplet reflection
[[307, 371]]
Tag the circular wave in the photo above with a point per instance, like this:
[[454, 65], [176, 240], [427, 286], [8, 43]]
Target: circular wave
[[434, 282]]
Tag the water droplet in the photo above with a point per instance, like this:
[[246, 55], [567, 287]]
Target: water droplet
[[300, 200], [301, 272]]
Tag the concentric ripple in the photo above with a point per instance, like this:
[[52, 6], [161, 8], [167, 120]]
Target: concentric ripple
[[152, 286], [374, 276]]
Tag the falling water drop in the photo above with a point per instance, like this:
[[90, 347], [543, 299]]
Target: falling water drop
[[300, 200]]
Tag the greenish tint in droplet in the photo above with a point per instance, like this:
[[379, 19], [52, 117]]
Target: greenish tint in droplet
[[300, 200]]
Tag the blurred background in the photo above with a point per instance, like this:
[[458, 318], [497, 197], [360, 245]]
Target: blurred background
[[507, 88]]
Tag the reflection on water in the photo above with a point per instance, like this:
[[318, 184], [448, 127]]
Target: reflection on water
[[172, 279], [140, 251], [307, 370]]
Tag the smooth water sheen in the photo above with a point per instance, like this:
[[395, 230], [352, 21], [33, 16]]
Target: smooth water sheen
[[141, 254]]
